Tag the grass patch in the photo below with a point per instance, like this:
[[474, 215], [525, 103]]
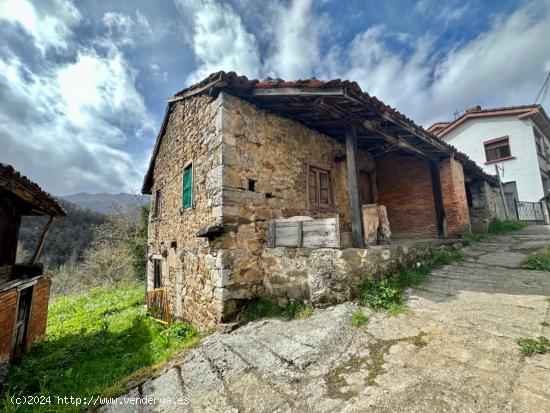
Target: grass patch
[[538, 261], [264, 307], [95, 342], [358, 318], [387, 294], [544, 324], [498, 226], [530, 346]]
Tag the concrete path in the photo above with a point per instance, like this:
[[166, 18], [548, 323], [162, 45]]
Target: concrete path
[[454, 349]]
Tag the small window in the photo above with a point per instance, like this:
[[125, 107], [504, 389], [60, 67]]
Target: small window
[[252, 185], [158, 203], [320, 188], [188, 187], [157, 273], [497, 149]]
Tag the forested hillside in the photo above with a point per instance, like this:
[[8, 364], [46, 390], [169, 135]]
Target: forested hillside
[[67, 240]]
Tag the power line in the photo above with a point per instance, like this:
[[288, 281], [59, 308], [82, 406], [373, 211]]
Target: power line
[[544, 89]]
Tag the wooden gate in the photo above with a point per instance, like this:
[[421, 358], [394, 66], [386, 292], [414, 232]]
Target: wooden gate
[[530, 211], [158, 305]]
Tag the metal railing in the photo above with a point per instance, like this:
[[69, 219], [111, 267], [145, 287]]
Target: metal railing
[[530, 211]]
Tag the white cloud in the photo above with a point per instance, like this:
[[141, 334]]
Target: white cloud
[[67, 128], [297, 34], [47, 29], [126, 30], [219, 40]]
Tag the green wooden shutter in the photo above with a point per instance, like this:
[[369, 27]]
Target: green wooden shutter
[[187, 187]]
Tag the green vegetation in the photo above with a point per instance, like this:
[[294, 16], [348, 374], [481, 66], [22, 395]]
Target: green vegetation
[[530, 346], [496, 227], [544, 324], [96, 342], [387, 294], [67, 240], [358, 318], [263, 307], [538, 261], [505, 226]]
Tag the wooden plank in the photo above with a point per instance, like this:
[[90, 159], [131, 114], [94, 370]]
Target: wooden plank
[[321, 233], [353, 186], [41, 239], [286, 234]]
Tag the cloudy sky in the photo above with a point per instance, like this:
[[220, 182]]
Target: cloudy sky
[[83, 84]]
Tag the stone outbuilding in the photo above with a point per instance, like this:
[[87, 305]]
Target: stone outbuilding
[[24, 288], [295, 191]]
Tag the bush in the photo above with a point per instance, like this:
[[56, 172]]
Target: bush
[[379, 294]]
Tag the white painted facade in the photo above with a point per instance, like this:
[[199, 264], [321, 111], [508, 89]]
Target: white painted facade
[[527, 167]]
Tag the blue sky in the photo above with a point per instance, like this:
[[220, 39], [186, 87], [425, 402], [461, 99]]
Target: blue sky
[[83, 84]]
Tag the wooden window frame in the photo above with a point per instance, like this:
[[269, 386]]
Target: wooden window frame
[[157, 205], [496, 144], [189, 165], [317, 205]]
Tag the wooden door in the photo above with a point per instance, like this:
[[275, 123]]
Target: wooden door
[[365, 188], [157, 273], [21, 323]]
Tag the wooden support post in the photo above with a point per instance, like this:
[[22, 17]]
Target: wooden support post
[[353, 184], [438, 200], [41, 239]]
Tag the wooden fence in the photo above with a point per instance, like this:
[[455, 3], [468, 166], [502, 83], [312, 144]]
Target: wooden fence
[[158, 305], [313, 233]]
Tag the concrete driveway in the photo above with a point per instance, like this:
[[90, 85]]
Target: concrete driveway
[[453, 349]]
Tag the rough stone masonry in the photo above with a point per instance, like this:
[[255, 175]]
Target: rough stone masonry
[[249, 167]]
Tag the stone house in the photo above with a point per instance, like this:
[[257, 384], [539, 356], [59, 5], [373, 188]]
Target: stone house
[[24, 288], [239, 165]]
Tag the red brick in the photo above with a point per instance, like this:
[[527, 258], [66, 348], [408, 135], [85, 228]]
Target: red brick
[[8, 301], [405, 187], [454, 196]]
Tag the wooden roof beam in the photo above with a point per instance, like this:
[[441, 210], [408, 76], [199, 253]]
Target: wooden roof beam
[[300, 91], [394, 140]]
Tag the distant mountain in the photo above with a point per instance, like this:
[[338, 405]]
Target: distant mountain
[[106, 203]]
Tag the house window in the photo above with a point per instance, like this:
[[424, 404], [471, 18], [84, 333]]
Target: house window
[[188, 186], [158, 203], [319, 186], [497, 149], [157, 273]]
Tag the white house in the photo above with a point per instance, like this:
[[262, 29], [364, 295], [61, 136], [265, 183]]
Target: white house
[[516, 138]]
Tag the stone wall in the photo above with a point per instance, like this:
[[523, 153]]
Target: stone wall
[[405, 187], [486, 205], [193, 134], [330, 276]]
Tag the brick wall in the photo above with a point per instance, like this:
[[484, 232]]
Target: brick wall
[[454, 196], [405, 187], [39, 310], [8, 300]]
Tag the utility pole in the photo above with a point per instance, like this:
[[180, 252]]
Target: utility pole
[[502, 193]]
